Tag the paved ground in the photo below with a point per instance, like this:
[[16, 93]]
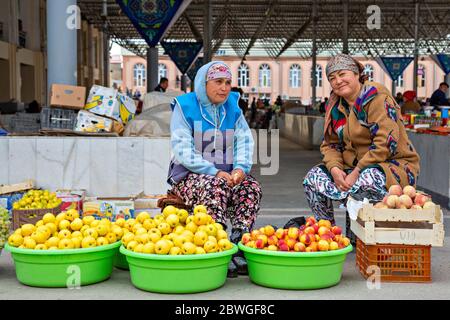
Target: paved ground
[[283, 199]]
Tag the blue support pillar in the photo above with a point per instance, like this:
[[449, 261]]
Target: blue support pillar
[[62, 24]]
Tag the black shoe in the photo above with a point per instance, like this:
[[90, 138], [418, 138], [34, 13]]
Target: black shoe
[[241, 264], [232, 270], [239, 258]]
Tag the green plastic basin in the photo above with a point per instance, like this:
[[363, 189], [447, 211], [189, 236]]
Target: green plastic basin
[[295, 270], [178, 274], [63, 268], [120, 261]]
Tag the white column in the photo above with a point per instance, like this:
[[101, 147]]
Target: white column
[[62, 23]]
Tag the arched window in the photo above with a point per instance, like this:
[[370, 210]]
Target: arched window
[[368, 70], [421, 75], [264, 76], [399, 82], [319, 75], [139, 75], [243, 76], [162, 71], [295, 75]]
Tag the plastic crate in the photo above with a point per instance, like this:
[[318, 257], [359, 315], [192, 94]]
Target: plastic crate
[[396, 262], [58, 119], [25, 123]]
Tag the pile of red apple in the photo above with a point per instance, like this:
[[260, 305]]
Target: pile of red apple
[[311, 237], [406, 198]]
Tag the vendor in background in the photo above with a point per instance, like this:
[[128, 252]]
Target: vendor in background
[[365, 148], [163, 85], [399, 98], [242, 103], [438, 97], [410, 105], [213, 148]]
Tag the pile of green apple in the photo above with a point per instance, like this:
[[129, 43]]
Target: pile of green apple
[[37, 199], [4, 226]]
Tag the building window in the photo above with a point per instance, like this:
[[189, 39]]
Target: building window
[[368, 71], [319, 76], [162, 71], [399, 82], [139, 75], [243, 76], [421, 76], [264, 96], [295, 74], [264, 76]]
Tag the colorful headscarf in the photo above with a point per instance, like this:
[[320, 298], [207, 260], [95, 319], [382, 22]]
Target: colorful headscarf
[[341, 62], [218, 71]]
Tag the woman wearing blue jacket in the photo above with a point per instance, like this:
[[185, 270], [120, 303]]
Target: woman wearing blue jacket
[[212, 149]]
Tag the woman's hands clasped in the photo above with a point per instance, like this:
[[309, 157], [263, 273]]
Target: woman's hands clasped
[[233, 179], [344, 181]]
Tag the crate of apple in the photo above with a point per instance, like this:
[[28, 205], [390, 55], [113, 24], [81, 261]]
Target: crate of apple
[[405, 198], [311, 237]]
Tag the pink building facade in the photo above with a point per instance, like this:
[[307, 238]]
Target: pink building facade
[[289, 77]]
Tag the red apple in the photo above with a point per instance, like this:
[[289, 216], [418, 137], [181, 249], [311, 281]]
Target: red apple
[[314, 246], [259, 243], [316, 227], [291, 243], [299, 247], [336, 230], [324, 223], [323, 230], [246, 237], [254, 234], [293, 233], [420, 199], [307, 238], [279, 233], [405, 200], [409, 191], [283, 246], [272, 240], [395, 190], [310, 230], [269, 230], [392, 201], [272, 248], [310, 221], [262, 237], [323, 245]]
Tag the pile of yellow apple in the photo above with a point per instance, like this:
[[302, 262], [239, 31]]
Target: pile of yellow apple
[[65, 231], [37, 199], [311, 237], [174, 232], [406, 198]]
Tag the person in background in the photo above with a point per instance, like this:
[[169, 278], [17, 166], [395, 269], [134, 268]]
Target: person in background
[[438, 97], [399, 98], [162, 86], [410, 105], [213, 150], [279, 101], [242, 103], [253, 112], [323, 105]]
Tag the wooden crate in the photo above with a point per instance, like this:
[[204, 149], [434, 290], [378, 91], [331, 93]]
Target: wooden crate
[[399, 226], [23, 186]]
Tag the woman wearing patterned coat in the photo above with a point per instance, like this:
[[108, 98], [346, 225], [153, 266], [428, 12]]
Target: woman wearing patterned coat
[[365, 148]]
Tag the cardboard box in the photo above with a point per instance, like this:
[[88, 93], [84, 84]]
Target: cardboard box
[[127, 108], [144, 203], [103, 101], [71, 199], [68, 97], [112, 209], [89, 122], [109, 103]]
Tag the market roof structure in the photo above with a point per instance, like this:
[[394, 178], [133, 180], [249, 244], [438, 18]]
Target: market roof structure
[[374, 28]]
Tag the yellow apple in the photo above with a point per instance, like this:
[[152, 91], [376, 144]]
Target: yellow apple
[[172, 220], [65, 244], [169, 210], [189, 248], [162, 247], [88, 242], [76, 224], [27, 229], [29, 243], [141, 217], [149, 247]]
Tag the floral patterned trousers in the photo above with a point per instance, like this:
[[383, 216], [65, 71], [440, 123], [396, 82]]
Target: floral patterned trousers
[[240, 204], [320, 191]]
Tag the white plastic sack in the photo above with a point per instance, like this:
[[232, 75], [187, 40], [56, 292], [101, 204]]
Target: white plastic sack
[[353, 207]]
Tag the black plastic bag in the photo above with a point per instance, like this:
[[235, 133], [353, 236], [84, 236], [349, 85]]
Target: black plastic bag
[[295, 222]]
